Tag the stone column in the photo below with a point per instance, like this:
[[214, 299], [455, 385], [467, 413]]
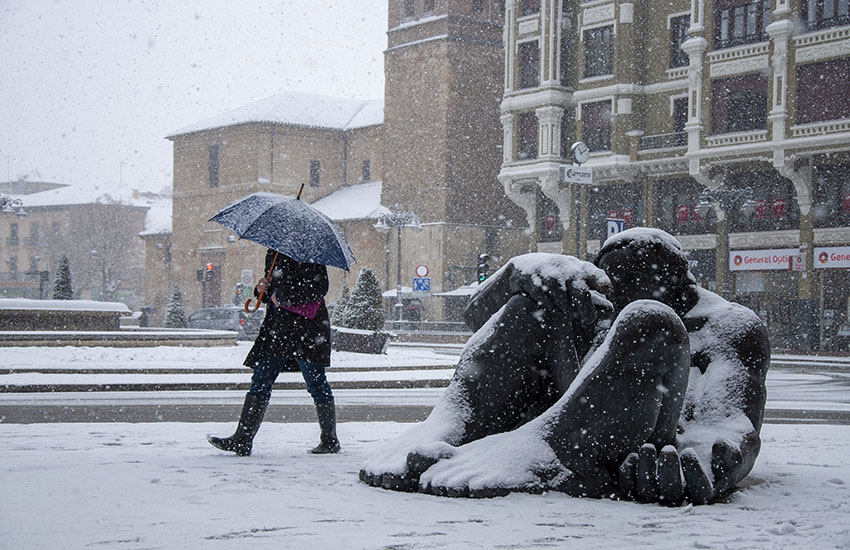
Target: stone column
[[695, 47], [780, 32], [507, 138], [549, 132]]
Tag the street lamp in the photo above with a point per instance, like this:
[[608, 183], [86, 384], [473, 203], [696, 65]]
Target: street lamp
[[95, 254], [398, 220], [8, 205], [721, 200]]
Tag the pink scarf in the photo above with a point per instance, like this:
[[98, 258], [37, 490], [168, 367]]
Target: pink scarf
[[308, 310]]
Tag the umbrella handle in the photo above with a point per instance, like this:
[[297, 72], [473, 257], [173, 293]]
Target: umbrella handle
[[260, 297], [256, 307]]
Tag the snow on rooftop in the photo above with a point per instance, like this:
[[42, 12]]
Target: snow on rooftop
[[354, 202], [158, 203], [298, 109]]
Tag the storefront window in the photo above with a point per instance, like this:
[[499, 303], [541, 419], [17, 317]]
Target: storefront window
[[832, 195], [775, 207], [613, 201], [677, 212]]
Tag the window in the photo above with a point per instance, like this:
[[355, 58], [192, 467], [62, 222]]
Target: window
[[599, 51], [34, 233], [367, 170], [738, 22], [13, 235], [832, 195], [527, 136], [739, 104], [529, 64], [13, 269], [315, 169], [596, 124], [822, 14], [677, 208], [213, 153], [530, 7], [477, 6], [678, 34], [822, 91], [408, 8], [621, 201], [427, 6], [775, 208], [680, 119]]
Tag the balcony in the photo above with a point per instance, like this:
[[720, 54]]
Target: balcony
[[736, 138], [820, 128], [664, 141]]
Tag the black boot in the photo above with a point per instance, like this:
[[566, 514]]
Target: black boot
[[328, 442], [249, 422]]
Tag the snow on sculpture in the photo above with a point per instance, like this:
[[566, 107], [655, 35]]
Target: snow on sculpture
[[622, 379]]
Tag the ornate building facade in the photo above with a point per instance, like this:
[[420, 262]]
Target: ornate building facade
[[722, 122]]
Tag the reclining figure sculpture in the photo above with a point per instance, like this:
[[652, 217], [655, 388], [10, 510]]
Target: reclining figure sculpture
[[622, 379]]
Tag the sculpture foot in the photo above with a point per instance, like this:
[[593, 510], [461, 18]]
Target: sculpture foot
[[496, 466]]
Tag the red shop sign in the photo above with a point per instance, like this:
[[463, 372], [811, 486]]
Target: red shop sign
[[682, 214], [778, 208]]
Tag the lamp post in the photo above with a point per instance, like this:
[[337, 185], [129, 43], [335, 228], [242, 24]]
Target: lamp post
[[8, 206], [96, 255], [721, 200], [398, 220]]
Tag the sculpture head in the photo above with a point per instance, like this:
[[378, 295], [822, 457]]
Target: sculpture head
[[646, 263]]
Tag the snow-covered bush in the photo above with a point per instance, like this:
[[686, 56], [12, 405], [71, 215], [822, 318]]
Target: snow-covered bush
[[364, 308], [62, 289], [175, 315], [339, 309]]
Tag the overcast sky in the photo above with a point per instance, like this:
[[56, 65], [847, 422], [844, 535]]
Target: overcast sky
[[90, 88]]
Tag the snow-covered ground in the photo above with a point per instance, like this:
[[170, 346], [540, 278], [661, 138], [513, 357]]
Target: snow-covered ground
[[134, 486], [160, 485]]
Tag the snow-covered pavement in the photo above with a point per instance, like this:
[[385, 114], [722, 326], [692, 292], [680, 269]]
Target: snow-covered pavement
[[159, 485]]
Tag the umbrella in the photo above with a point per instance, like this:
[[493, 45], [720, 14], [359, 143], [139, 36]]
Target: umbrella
[[288, 226]]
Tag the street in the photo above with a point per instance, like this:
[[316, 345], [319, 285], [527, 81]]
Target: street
[[401, 386]]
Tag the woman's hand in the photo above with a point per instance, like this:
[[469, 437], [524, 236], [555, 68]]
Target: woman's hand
[[263, 284]]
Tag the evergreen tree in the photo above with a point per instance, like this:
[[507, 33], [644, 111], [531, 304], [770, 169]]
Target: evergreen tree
[[339, 308], [175, 315], [62, 283], [364, 309]]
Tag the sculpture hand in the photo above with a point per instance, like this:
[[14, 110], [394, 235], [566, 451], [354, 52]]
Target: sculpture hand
[[671, 476], [575, 287]]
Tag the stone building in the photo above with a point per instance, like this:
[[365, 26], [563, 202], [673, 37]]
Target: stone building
[[95, 230], [744, 99], [328, 145], [430, 148]]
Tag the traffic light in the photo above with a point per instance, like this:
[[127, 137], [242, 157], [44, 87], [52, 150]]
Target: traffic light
[[483, 268], [201, 274], [208, 272]]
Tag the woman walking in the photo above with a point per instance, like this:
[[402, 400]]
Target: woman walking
[[294, 336]]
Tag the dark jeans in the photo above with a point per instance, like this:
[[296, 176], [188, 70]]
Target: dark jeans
[[267, 369]]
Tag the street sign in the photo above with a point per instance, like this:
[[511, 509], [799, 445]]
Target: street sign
[[576, 174], [614, 226], [247, 276], [421, 270], [421, 284]]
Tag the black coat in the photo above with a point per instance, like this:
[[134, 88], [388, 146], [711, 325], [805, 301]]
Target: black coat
[[286, 334]]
